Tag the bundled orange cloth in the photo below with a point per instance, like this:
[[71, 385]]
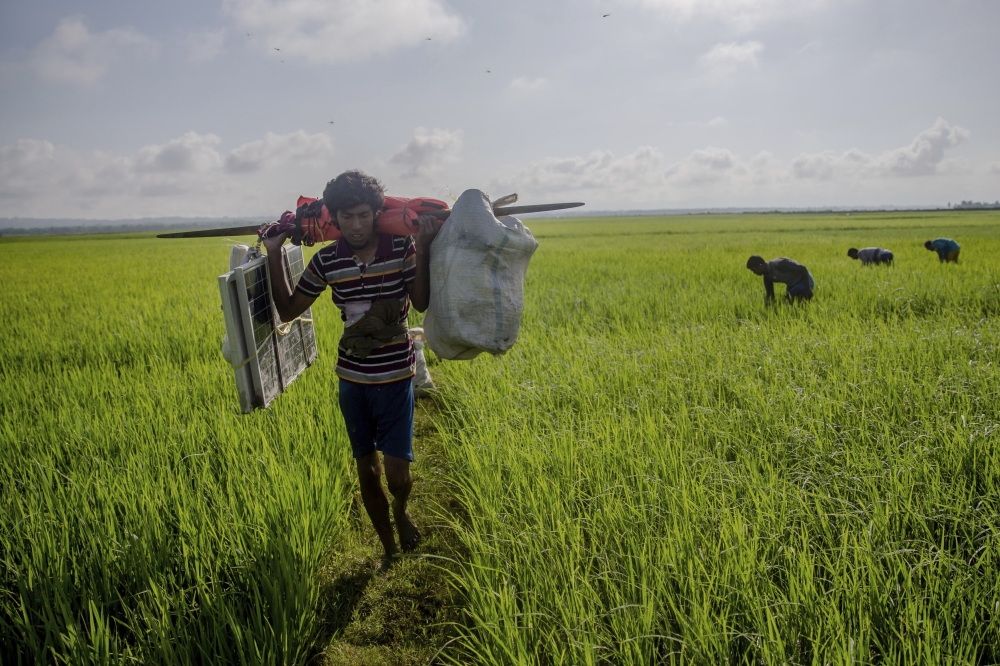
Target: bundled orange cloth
[[311, 222]]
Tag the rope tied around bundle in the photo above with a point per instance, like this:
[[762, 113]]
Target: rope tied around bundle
[[281, 329]]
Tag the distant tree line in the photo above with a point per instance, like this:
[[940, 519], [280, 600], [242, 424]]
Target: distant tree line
[[976, 204]]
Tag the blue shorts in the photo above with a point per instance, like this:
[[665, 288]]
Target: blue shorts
[[379, 417], [884, 257], [799, 288]]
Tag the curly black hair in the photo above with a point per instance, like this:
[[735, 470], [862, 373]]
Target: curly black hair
[[353, 188]]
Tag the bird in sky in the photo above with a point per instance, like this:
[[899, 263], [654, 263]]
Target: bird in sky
[[428, 39], [329, 122], [276, 48], [605, 15], [487, 71]]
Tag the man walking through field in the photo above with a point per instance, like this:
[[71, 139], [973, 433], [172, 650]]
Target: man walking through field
[[374, 277]]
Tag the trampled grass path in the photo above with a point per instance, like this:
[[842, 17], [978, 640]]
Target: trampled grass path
[[407, 615]]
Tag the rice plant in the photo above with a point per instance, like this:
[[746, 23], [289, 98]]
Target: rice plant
[[665, 470], [144, 519], [662, 470]]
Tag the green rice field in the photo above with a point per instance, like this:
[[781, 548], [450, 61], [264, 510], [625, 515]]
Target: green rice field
[[662, 470]]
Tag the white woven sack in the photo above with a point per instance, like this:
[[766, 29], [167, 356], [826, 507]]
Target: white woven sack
[[478, 264]]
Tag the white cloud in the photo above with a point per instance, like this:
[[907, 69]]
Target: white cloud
[[706, 166], [276, 149], [715, 176], [709, 176], [955, 166], [599, 170], [723, 60], [819, 166], [74, 54], [191, 152], [185, 175], [743, 15], [426, 151], [191, 175], [336, 31], [993, 168], [924, 156], [206, 45], [925, 152], [526, 85], [31, 169], [765, 169]]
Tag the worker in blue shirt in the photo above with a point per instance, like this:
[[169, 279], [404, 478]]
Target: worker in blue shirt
[[946, 248]]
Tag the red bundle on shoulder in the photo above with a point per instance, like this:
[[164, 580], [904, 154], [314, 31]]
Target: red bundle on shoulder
[[311, 222]]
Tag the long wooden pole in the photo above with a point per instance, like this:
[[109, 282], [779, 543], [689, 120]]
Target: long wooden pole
[[251, 230]]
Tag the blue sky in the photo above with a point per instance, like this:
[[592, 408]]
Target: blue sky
[[120, 109]]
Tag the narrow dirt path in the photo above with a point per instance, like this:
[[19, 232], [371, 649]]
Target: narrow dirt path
[[405, 615]]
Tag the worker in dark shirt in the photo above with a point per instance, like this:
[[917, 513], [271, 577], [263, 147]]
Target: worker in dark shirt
[[946, 248], [798, 282], [871, 256]]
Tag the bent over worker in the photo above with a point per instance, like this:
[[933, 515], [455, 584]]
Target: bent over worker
[[871, 256], [946, 248], [374, 277], [798, 282]]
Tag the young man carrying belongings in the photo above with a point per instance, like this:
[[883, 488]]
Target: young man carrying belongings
[[798, 282], [374, 277], [871, 256]]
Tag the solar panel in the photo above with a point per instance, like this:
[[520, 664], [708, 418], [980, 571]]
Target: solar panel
[[266, 355]]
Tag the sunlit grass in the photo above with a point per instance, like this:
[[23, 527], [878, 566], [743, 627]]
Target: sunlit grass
[[144, 519], [663, 469]]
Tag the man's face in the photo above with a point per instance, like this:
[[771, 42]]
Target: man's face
[[358, 225], [759, 269]]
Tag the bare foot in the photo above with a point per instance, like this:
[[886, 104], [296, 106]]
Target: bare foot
[[409, 535]]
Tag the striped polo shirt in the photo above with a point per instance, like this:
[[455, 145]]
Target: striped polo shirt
[[393, 268]]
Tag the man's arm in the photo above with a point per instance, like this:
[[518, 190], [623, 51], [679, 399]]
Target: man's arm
[[420, 289], [289, 304], [768, 288], [940, 248]]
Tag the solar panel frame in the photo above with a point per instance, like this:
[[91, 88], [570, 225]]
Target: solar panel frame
[[237, 341], [271, 356], [296, 348]]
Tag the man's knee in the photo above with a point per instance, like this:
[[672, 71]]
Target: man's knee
[[397, 474], [369, 468]]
